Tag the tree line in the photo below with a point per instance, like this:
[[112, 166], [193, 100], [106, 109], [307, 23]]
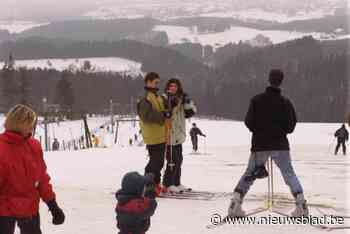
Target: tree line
[[316, 81]]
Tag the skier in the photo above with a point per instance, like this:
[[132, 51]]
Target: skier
[[270, 118], [152, 113], [55, 145], [342, 136], [103, 137], [23, 176], [182, 107], [136, 203], [194, 132], [95, 141]]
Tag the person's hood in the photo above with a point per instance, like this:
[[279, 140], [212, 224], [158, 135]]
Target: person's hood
[[133, 184]]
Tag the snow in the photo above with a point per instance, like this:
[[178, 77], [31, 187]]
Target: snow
[[113, 64], [273, 10], [259, 14], [85, 180], [179, 34], [18, 26]]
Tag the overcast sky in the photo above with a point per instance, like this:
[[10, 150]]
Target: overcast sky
[[33, 9]]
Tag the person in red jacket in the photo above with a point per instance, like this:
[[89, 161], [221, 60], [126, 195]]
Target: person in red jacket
[[23, 176]]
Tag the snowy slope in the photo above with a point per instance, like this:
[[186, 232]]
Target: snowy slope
[[97, 64], [85, 180], [179, 34], [18, 26], [273, 10]]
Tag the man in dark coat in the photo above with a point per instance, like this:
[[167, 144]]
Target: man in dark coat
[[342, 136], [194, 132], [270, 118]]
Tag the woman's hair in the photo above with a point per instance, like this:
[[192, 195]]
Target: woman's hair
[[180, 90], [19, 118]]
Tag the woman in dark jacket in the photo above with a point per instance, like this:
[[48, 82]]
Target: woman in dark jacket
[[23, 176]]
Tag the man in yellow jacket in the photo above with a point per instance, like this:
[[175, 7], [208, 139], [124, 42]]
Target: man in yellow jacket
[[152, 113]]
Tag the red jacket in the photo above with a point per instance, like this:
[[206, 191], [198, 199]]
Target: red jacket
[[23, 176]]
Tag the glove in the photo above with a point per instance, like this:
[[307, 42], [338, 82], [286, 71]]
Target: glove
[[167, 114], [150, 186], [186, 99], [58, 216]]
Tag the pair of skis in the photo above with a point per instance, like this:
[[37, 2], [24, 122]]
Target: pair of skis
[[195, 195]]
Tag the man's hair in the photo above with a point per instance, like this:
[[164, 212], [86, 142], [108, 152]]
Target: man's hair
[[276, 77], [19, 118], [151, 76]]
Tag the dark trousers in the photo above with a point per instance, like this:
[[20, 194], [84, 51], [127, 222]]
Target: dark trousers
[[194, 140], [26, 225], [341, 142], [156, 161], [172, 174]]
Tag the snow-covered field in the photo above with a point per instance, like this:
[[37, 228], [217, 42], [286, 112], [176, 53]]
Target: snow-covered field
[[18, 26], [85, 180], [259, 14], [273, 10], [113, 64], [179, 34]]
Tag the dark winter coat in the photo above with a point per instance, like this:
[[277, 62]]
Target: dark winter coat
[[270, 118], [342, 134], [195, 131], [133, 209], [23, 176]]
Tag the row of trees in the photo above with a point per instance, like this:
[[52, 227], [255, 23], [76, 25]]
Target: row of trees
[[317, 82]]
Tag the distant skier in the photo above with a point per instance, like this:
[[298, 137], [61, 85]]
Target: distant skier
[[270, 118], [182, 107], [103, 137], [95, 141], [55, 145], [152, 113], [194, 132], [342, 136], [136, 203]]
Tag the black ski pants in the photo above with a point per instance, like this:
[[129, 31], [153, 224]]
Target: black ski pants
[[26, 225], [174, 159], [194, 140], [341, 142], [156, 161]]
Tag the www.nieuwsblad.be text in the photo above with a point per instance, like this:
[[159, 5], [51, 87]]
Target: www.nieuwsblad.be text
[[217, 219]]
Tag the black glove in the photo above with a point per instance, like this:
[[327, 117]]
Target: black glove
[[186, 99], [150, 186], [58, 216], [167, 114]]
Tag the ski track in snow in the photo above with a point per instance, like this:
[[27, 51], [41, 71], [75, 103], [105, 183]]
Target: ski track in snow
[[86, 180]]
